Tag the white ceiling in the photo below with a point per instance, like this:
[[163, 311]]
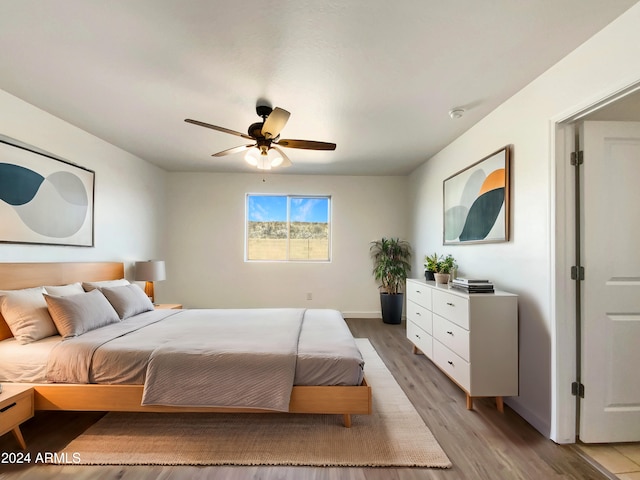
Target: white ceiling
[[376, 77]]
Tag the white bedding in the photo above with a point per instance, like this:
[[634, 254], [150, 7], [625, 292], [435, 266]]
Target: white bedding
[[25, 363], [317, 364]]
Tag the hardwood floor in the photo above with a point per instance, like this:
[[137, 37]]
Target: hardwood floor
[[481, 444]]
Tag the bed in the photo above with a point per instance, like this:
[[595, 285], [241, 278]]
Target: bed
[[82, 392]]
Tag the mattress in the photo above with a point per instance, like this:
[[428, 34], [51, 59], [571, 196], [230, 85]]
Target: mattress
[[327, 354]]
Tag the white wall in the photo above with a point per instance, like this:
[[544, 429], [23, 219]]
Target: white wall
[[526, 265], [129, 192], [204, 217], [205, 240]]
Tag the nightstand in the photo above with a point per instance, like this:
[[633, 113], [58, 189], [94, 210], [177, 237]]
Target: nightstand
[[16, 406], [167, 306]]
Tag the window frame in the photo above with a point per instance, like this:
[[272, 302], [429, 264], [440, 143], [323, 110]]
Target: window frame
[[289, 197]]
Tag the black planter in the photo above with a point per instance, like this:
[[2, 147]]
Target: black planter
[[428, 275], [392, 307]]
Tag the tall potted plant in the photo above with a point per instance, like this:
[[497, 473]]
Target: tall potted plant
[[391, 257]]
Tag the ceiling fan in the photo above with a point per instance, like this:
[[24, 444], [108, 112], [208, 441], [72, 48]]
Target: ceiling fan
[[265, 152]]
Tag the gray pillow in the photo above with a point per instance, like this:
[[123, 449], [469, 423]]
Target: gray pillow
[[88, 286], [78, 314], [128, 300], [25, 311]]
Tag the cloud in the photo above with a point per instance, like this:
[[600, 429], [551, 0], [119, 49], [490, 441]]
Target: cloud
[[302, 208], [257, 212]]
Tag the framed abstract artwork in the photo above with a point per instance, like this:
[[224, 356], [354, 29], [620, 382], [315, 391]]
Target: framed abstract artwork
[[44, 199], [476, 201]]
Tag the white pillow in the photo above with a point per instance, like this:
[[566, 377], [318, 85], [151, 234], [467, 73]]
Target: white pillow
[[88, 286], [128, 300], [26, 314], [64, 290], [78, 314]]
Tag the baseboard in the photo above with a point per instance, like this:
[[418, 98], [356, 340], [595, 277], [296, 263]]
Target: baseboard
[[542, 425], [371, 315], [376, 315]]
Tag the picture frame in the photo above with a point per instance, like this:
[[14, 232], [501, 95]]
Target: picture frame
[[476, 201], [44, 199]]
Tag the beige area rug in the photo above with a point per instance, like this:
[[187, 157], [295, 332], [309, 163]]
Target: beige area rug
[[394, 435]]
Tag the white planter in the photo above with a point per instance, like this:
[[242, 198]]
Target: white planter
[[441, 278]]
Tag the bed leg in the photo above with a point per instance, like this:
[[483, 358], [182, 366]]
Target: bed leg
[[347, 420]]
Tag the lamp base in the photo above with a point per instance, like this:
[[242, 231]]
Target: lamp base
[[148, 289]]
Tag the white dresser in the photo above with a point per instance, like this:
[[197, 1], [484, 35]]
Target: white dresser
[[473, 338]]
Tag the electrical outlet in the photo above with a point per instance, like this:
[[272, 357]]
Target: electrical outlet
[[309, 296]]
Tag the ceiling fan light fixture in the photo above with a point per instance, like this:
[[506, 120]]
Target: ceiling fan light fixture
[[252, 157], [264, 163], [263, 159], [276, 161]]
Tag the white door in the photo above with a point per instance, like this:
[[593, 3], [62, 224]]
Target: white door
[[610, 409]]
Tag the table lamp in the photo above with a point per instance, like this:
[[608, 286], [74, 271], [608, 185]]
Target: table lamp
[[149, 272]]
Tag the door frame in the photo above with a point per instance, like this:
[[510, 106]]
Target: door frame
[[564, 414]]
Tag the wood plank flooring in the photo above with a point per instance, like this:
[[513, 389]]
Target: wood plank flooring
[[482, 444]]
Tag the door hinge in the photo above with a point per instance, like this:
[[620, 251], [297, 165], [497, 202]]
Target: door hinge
[[577, 273], [577, 389], [577, 158]]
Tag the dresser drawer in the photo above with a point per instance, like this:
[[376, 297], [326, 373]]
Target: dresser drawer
[[15, 410], [419, 293], [420, 339], [452, 336], [453, 365], [451, 307], [420, 316]]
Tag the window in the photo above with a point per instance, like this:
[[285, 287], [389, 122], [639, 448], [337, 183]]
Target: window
[[288, 228]]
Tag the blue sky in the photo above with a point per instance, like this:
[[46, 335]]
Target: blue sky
[[273, 208]]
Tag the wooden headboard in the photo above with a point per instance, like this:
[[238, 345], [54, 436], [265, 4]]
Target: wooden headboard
[[14, 276]]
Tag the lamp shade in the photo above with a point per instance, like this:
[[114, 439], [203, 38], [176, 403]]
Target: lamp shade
[[150, 271]]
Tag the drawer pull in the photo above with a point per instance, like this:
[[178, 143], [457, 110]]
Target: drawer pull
[[450, 362], [418, 336], [449, 332], [418, 314], [418, 291], [450, 304], [8, 407]]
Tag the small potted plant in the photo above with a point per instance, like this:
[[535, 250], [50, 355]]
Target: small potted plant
[[441, 266], [391, 257], [430, 265]]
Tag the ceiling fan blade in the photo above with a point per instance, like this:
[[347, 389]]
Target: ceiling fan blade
[[220, 129], [233, 150], [285, 160], [307, 144], [275, 122]]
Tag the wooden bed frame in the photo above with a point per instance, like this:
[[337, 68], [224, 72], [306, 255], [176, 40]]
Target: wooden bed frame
[[344, 400]]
